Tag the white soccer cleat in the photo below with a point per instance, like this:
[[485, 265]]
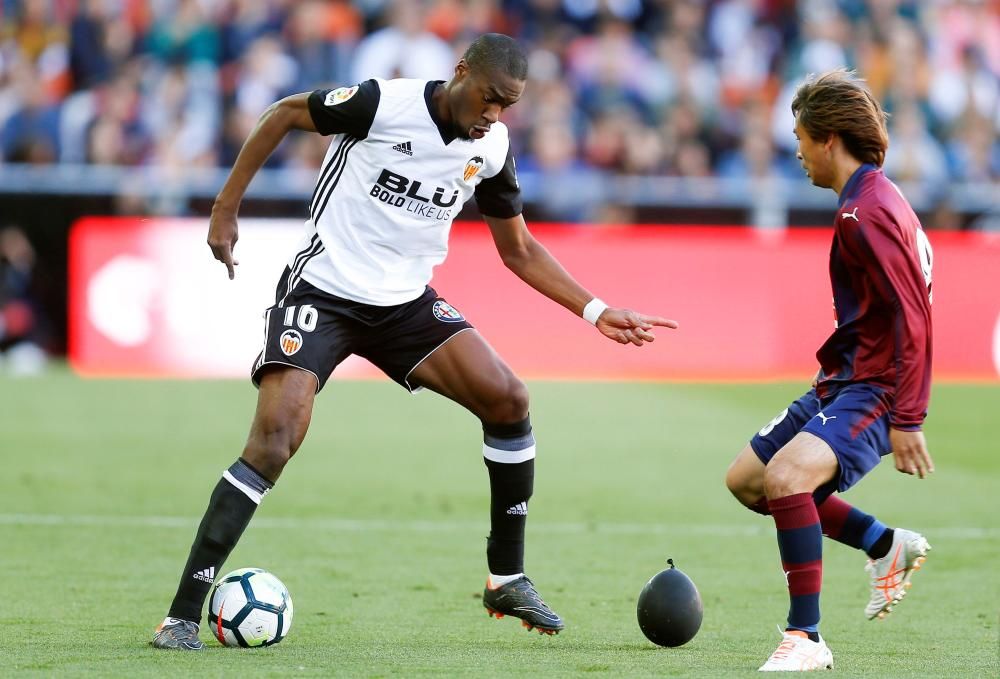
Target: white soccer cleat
[[797, 653], [890, 575]]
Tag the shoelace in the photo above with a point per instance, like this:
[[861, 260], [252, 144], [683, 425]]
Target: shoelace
[[175, 631], [784, 649], [529, 588]]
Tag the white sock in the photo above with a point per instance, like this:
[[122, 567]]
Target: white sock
[[501, 580]]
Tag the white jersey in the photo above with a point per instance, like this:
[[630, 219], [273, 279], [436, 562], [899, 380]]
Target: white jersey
[[392, 182]]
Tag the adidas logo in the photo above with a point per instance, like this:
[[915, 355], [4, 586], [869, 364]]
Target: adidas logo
[[207, 575], [520, 509], [404, 147]]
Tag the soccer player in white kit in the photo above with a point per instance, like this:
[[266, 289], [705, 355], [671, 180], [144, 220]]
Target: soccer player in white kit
[[404, 157]]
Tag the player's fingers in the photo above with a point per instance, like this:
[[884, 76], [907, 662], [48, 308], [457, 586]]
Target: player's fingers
[[629, 338], [226, 257], [660, 321], [644, 334], [902, 464], [924, 463]]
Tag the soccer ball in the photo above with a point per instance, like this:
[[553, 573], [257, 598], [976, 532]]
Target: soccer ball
[[250, 607], [669, 608]]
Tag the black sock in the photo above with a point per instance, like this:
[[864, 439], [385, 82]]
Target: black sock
[[882, 545], [509, 452], [230, 508], [813, 636]]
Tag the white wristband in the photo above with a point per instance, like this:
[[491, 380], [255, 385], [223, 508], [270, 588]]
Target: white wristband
[[593, 310]]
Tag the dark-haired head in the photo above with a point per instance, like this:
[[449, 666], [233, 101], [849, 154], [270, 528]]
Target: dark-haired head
[[489, 78], [496, 52], [837, 102]]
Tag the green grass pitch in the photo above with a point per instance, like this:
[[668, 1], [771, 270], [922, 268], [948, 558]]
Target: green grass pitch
[[378, 528]]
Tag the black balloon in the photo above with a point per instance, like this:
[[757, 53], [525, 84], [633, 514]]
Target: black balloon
[[669, 608]]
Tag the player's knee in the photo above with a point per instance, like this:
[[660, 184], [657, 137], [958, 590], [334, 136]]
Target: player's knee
[[506, 403], [736, 483], [517, 399], [272, 443], [782, 480], [749, 495]]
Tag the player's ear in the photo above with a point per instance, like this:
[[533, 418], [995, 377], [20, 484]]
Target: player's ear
[[461, 69]]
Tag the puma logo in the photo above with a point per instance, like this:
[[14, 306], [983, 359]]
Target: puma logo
[[853, 215], [825, 418]]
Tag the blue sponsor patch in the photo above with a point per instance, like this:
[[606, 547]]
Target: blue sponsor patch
[[446, 312]]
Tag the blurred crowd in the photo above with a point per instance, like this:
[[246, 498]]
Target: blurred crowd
[[638, 87]]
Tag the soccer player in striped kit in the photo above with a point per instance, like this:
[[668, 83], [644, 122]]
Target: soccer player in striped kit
[[404, 157], [871, 393]]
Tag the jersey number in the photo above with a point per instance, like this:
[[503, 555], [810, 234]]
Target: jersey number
[[769, 427], [307, 317], [926, 255]]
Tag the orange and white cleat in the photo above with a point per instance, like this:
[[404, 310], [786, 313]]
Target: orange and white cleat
[[798, 653], [890, 575]]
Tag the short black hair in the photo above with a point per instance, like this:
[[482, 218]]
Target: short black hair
[[497, 52]]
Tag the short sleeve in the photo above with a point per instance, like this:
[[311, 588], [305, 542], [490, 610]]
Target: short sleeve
[[500, 196], [345, 109]]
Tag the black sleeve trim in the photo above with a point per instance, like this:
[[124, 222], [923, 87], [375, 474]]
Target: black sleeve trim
[[499, 196], [353, 116]]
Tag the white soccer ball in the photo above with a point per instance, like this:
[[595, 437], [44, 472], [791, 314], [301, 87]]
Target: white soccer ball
[[250, 607]]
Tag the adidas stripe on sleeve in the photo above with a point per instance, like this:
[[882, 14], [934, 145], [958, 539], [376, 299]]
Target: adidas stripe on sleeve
[[345, 109]]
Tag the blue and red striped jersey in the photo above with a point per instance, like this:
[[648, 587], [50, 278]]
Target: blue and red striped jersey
[[880, 269]]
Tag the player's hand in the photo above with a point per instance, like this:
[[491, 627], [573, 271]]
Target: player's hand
[[909, 449], [222, 236], [628, 327]]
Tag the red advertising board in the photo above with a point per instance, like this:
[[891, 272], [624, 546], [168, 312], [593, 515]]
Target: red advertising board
[[147, 299]]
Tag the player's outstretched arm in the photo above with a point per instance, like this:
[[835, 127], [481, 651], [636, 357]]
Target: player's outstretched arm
[[909, 451], [291, 113], [533, 264]]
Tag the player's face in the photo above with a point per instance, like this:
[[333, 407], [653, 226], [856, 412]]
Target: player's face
[[814, 156], [479, 98]]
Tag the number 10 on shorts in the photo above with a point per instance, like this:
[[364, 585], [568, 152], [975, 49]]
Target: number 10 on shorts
[[307, 317]]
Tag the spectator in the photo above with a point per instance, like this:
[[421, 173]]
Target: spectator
[[914, 155], [22, 331], [31, 133], [403, 48]]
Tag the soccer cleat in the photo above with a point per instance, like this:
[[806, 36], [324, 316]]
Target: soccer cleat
[[798, 653], [519, 599], [890, 575], [181, 635]]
